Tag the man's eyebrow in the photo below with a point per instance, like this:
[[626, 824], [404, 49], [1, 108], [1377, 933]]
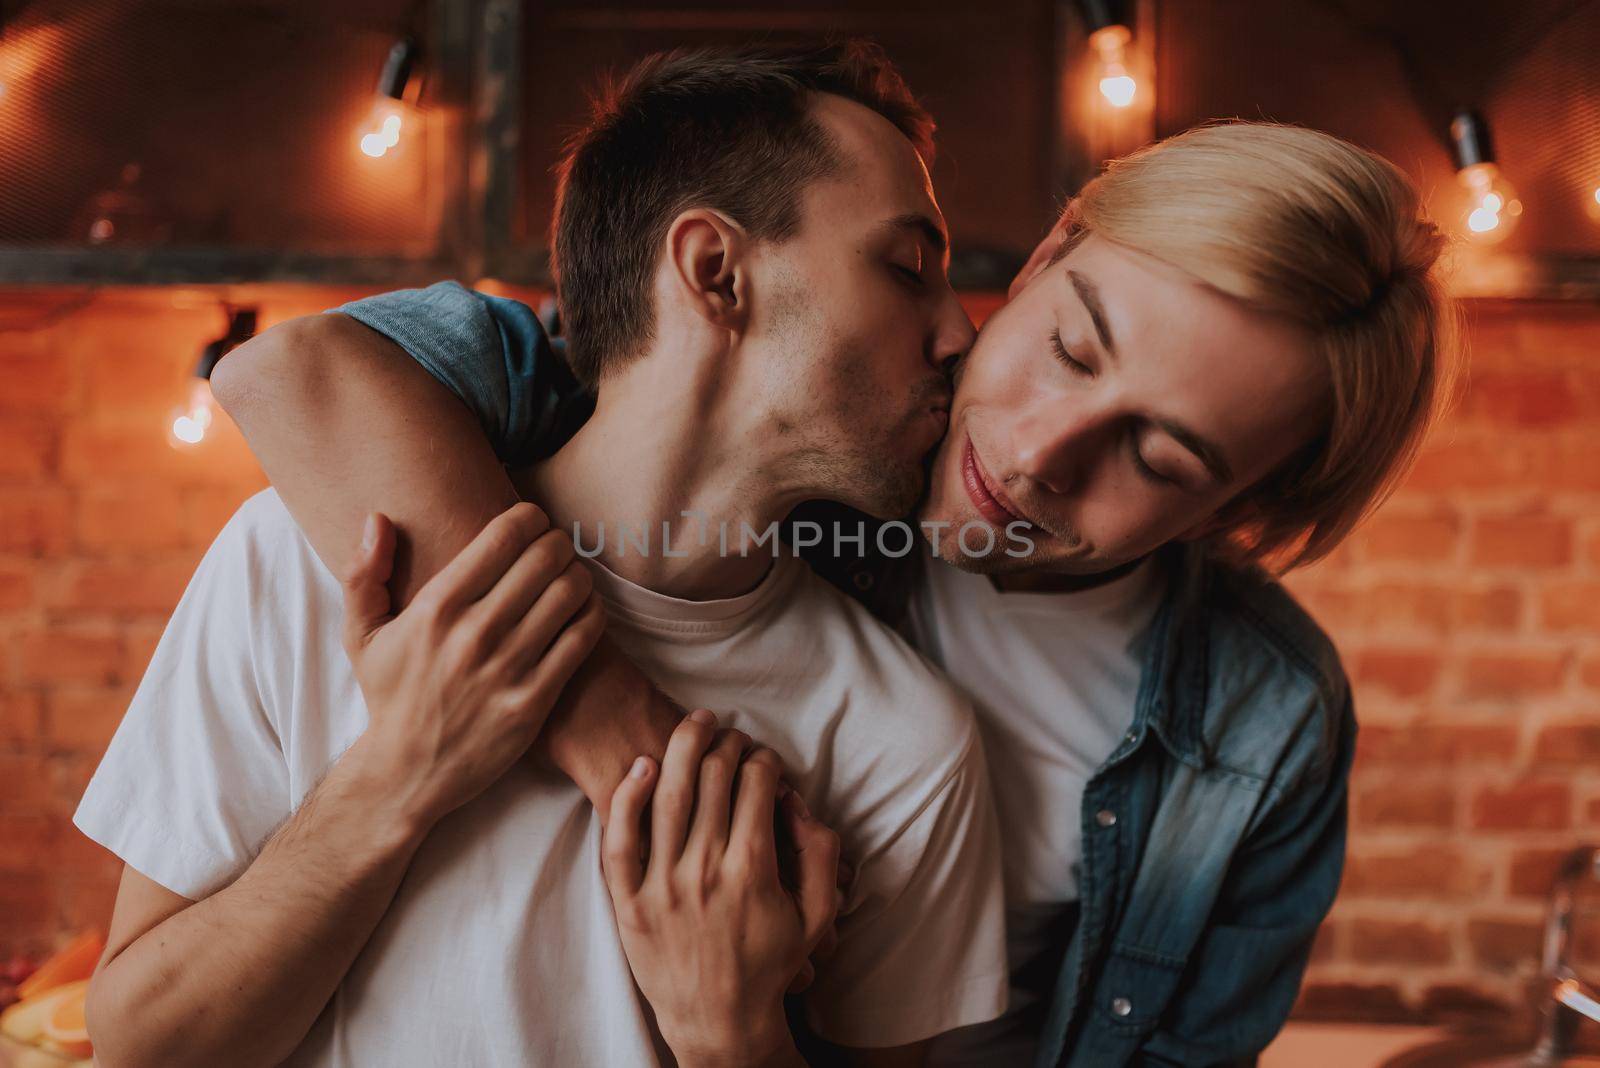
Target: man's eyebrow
[[1089, 293], [1208, 454], [924, 227]]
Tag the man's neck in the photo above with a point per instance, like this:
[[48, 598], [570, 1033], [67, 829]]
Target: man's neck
[[635, 469]]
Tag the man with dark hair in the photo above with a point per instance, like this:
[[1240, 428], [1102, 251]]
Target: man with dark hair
[[752, 266], [732, 129]]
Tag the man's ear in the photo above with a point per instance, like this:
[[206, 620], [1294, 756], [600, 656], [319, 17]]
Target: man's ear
[[1041, 255], [706, 252]]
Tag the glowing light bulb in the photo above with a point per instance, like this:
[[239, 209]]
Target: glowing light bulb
[[382, 128], [1116, 84], [187, 424], [1492, 206], [1593, 204]]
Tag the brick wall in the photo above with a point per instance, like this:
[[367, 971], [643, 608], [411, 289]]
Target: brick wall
[[1468, 612], [101, 525]]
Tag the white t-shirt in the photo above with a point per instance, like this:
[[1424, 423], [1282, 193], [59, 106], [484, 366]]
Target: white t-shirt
[[500, 947], [1054, 677]]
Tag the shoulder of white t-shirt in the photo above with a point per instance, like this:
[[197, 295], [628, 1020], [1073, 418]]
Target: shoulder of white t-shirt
[[933, 722]]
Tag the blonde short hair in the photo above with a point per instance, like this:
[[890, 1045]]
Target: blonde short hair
[[1300, 224]]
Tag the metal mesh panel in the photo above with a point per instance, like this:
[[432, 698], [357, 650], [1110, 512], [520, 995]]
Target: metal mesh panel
[[205, 122]]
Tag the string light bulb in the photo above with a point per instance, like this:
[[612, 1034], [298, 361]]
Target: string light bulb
[[382, 129], [1592, 203], [188, 423], [1109, 36], [1493, 207]]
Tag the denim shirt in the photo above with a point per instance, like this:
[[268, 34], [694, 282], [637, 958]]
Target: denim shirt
[[1213, 836]]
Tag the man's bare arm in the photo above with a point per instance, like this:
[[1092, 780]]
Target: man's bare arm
[[345, 423], [240, 977]]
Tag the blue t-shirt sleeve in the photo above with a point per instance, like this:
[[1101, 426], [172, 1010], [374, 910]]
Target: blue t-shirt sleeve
[[491, 352]]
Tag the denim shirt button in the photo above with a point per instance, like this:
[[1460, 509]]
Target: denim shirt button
[[1131, 737], [1106, 818], [1121, 1006]]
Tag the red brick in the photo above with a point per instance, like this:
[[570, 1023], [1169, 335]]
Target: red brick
[[25, 781], [1513, 675], [129, 519], [1563, 465], [16, 587], [1533, 806], [1496, 609], [1427, 872], [1398, 942], [27, 447], [1435, 744], [1557, 337], [30, 842], [37, 381], [1522, 541], [21, 719], [1389, 536], [1374, 1002], [1427, 607], [76, 852], [72, 774], [1524, 398], [1589, 672], [27, 908], [1569, 743], [34, 520], [1571, 606], [1399, 672], [1326, 946], [86, 900], [1407, 805], [1471, 465], [96, 455], [1466, 1004], [66, 654], [92, 454], [1533, 871], [1505, 945], [84, 720], [118, 588], [121, 378]]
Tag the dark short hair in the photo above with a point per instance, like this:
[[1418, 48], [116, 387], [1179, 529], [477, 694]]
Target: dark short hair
[[727, 129]]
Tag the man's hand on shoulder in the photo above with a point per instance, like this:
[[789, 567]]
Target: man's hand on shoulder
[[459, 683]]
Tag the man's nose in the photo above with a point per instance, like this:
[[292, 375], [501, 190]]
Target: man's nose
[[1054, 443], [953, 334]]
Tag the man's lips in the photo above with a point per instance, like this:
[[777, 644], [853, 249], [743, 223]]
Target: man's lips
[[986, 495]]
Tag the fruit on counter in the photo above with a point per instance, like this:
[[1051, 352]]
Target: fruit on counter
[[26, 1020], [66, 1030], [74, 961]]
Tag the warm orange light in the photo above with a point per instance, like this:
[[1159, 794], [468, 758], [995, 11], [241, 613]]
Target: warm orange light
[[187, 424], [1593, 204], [1117, 86], [382, 129], [1492, 207]]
